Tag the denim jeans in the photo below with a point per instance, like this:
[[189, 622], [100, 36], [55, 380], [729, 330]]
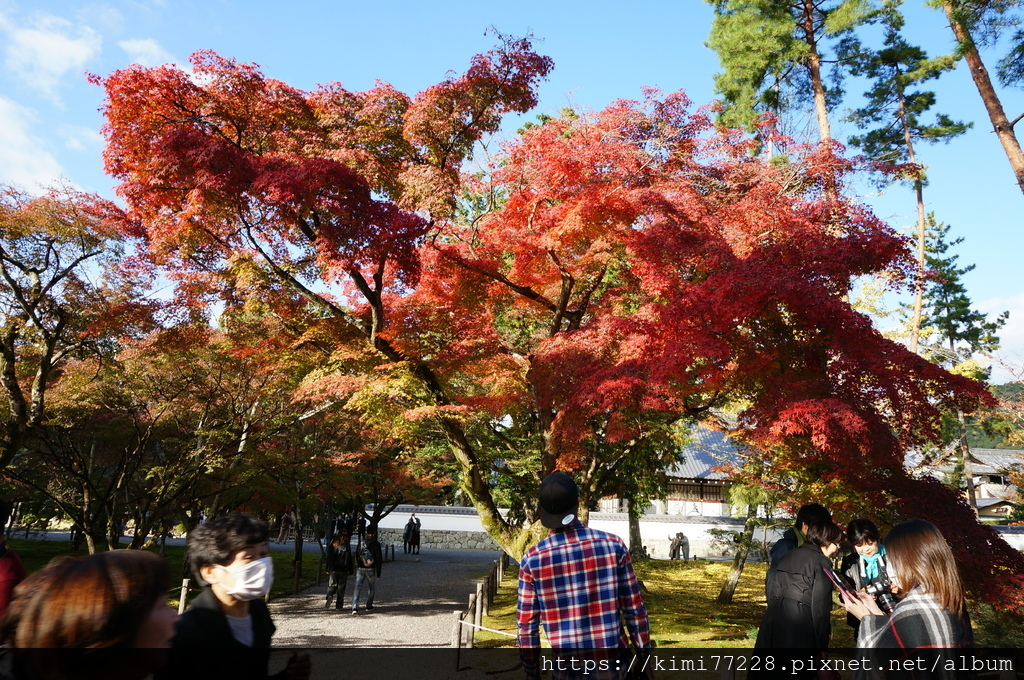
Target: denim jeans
[[369, 575]]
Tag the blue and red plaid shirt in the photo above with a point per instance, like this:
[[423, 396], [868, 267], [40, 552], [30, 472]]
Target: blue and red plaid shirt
[[579, 582]]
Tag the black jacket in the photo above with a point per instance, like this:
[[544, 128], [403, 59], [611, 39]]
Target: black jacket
[[339, 558], [378, 558], [799, 603], [204, 627]]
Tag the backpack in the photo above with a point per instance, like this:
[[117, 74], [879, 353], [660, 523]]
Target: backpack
[[365, 557]]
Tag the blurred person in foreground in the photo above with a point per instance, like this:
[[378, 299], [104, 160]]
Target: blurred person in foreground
[[930, 610], [12, 571], [98, 616], [580, 585], [230, 557]]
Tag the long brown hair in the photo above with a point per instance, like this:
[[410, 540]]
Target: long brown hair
[[99, 601], [919, 556]]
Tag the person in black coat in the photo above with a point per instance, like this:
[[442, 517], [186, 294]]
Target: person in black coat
[[799, 612], [794, 537], [339, 567], [230, 556]]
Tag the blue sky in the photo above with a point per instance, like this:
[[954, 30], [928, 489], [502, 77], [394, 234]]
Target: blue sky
[[49, 117]]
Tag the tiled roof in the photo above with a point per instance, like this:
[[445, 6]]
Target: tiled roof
[[986, 502], [984, 461], [709, 448]]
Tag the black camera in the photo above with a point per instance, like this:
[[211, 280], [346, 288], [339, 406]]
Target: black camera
[[880, 590]]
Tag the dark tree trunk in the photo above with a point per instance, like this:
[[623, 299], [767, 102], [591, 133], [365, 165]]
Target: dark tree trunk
[[733, 579]]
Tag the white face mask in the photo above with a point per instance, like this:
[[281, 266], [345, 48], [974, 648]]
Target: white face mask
[[252, 580]]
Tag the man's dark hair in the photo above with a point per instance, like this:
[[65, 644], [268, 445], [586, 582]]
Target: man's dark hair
[[861, 531], [812, 513], [217, 541], [824, 534]]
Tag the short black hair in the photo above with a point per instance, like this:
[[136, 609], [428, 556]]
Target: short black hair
[[861, 531], [217, 541], [824, 534], [812, 513]]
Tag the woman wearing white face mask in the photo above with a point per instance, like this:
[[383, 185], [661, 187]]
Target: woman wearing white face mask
[[230, 555]]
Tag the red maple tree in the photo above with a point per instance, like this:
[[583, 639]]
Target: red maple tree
[[611, 274]]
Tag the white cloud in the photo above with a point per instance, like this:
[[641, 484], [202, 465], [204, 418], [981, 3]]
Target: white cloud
[[80, 138], [146, 52], [24, 160], [42, 51], [1009, 364]]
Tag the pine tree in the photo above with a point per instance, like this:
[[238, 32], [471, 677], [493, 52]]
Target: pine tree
[[771, 50], [962, 330], [975, 23], [893, 117]]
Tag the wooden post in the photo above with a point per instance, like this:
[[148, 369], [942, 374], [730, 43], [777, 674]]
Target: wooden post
[[470, 631], [183, 596], [457, 637], [481, 603], [484, 591], [457, 631]]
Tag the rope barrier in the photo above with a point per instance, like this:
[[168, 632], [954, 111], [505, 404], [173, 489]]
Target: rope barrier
[[489, 630]]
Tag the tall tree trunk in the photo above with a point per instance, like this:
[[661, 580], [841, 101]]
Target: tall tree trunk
[[814, 70], [733, 579], [636, 541], [908, 141], [965, 459], [1000, 123]]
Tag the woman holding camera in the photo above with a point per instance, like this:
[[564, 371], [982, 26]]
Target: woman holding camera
[[867, 566], [930, 611]]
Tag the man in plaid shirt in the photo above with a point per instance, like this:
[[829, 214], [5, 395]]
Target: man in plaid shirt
[[579, 582]]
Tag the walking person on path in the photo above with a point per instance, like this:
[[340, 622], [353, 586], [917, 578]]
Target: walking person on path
[[580, 585], [286, 525], [369, 559], [339, 566]]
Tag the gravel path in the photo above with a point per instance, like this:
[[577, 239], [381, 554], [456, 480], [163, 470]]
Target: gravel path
[[413, 605]]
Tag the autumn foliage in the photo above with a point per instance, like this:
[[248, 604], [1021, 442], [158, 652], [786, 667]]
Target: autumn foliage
[[609, 275]]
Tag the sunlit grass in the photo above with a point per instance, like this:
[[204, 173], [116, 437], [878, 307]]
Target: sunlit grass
[[680, 601]]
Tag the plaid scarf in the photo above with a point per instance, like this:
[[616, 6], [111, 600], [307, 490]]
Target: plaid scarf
[[917, 622]]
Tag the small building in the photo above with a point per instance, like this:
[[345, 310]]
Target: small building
[[990, 475], [696, 488]]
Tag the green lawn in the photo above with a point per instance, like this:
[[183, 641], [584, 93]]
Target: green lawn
[[680, 601]]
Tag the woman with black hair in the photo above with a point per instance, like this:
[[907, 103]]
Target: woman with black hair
[[867, 566], [800, 599], [931, 611]]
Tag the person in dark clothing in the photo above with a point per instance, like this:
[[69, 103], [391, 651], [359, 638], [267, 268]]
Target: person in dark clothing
[[231, 558], [812, 513], [800, 602], [369, 559], [339, 566]]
